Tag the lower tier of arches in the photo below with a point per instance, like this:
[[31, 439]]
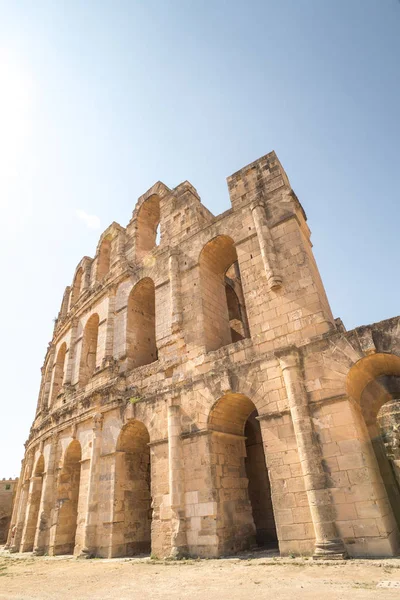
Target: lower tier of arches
[[110, 489]]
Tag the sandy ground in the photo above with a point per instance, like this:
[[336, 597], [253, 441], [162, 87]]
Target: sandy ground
[[24, 577]]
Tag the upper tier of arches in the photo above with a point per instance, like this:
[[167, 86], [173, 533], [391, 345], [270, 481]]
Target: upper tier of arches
[[131, 322], [160, 215]]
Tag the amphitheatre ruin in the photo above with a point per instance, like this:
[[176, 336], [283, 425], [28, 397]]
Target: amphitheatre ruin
[[198, 397]]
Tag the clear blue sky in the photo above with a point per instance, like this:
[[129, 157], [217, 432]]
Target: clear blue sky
[[100, 99]]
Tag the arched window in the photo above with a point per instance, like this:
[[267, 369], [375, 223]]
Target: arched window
[[148, 222], [89, 350], [141, 324], [58, 375], [104, 259], [224, 312], [77, 286]]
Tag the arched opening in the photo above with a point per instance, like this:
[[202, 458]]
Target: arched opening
[[148, 226], [374, 382], [132, 501], [35, 495], [104, 259], [224, 311], [77, 286], [58, 376], [67, 500], [141, 324], [89, 349], [245, 514]]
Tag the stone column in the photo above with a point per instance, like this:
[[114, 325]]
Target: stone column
[[65, 303], [90, 527], [327, 542], [121, 240], [175, 290], [48, 378], [47, 501], [69, 371], [35, 489], [176, 483], [21, 516], [109, 342], [267, 246], [116, 524], [85, 282], [14, 516]]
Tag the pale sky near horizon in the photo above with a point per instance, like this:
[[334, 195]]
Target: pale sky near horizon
[[101, 99]]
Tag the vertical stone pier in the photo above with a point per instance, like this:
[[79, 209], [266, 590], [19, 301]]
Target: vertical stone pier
[[327, 542]]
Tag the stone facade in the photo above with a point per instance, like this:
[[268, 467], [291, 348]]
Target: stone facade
[[8, 488], [198, 397]]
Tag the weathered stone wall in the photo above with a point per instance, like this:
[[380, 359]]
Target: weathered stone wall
[[8, 488], [198, 396]]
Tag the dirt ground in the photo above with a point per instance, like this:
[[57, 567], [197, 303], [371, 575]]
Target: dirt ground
[[24, 577]]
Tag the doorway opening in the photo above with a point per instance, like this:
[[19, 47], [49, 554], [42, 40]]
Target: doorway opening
[[245, 517], [132, 502]]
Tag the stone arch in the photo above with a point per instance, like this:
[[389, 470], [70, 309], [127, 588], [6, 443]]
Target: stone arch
[[65, 303], [132, 495], [103, 258], [58, 374], [374, 383], [68, 500], [34, 499], [240, 475], [141, 324], [219, 270], [45, 387], [147, 227], [39, 468], [89, 349], [77, 286]]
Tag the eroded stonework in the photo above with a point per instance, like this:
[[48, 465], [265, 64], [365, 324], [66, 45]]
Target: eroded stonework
[[198, 397], [8, 489]]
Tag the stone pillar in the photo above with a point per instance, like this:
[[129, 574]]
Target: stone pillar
[[65, 303], [69, 371], [121, 240], [327, 542], [267, 246], [175, 291], [85, 283], [41, 392], [14, 516], [176, 483], [116, 524], [47, 501], [109, 342], [35, 490], [21, 516], [90, 527], [48, 378]]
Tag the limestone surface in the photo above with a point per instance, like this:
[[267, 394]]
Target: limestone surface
[[198, 397]]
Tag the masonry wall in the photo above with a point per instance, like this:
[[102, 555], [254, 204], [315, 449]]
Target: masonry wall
[[164, 393], [8, 488]]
